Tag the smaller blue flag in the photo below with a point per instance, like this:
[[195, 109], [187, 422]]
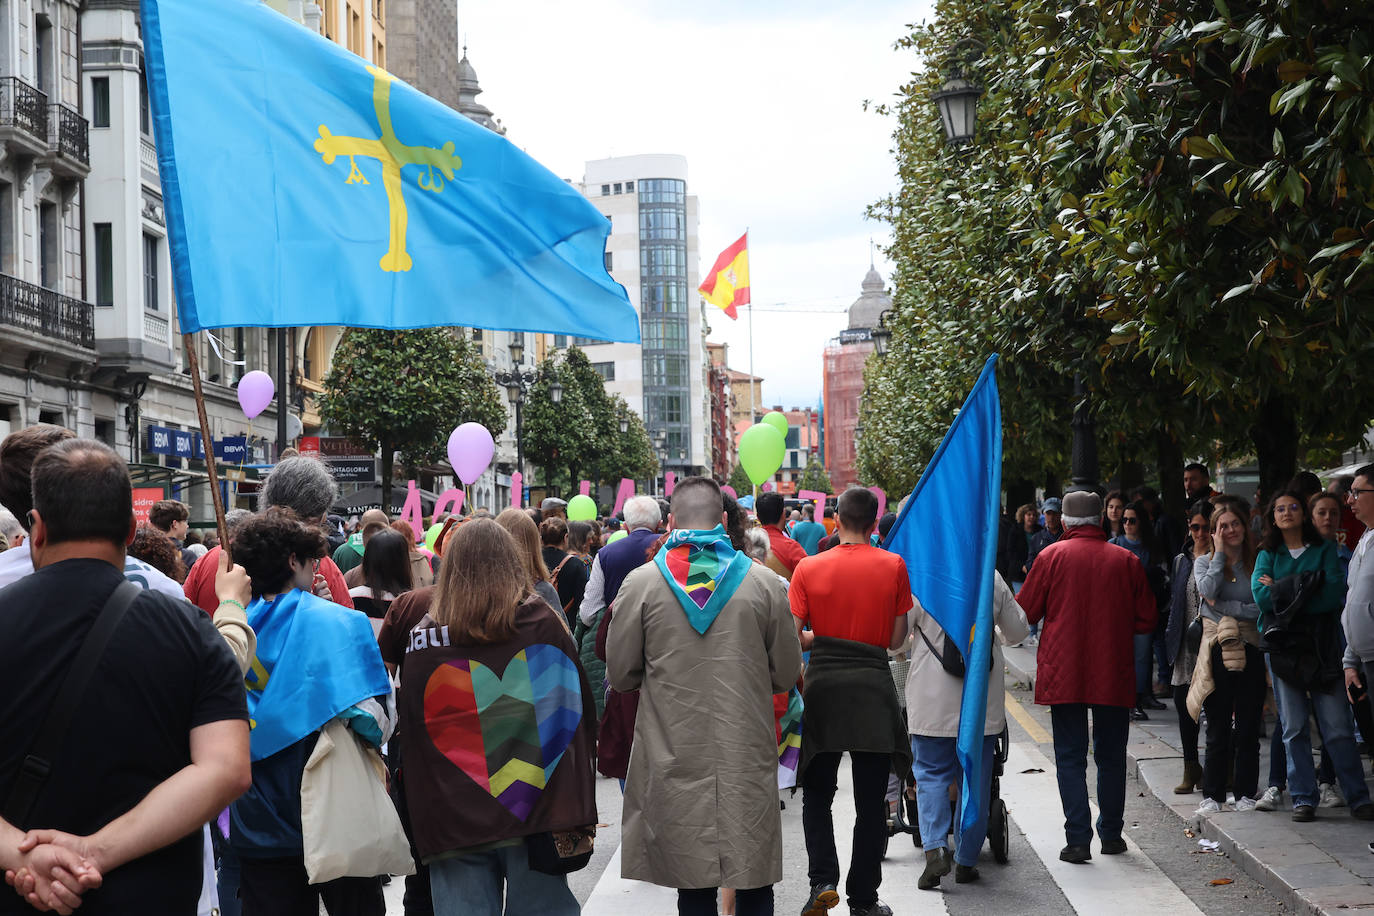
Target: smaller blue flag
[[315, 659], [304, 187], [947, 536]]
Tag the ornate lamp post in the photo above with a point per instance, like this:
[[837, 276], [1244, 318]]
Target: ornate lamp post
[[661, 447], [882, 334], [517, 381]]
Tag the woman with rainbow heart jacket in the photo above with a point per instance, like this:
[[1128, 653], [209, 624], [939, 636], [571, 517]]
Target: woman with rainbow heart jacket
[[497, 732]]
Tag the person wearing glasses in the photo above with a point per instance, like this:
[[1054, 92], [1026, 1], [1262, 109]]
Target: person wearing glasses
[[1139, 539], [1358, 617], [1304, 670], [1184, 607]]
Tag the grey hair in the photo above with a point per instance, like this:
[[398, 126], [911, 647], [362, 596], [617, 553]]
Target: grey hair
[[9, 525], [642, 512], [235, 517], [1078, 521], [302, 485], [756, 544]]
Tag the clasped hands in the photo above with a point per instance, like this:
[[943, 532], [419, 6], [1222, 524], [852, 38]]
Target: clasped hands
[[55, 869]]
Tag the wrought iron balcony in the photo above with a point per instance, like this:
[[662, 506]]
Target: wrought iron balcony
[[24, 108], [44, 311], [69, 136]]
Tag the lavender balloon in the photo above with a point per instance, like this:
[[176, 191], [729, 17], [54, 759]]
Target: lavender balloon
[[470, 450], [255, 392]]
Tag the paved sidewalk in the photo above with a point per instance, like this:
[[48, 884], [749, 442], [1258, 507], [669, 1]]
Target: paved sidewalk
[[1323, 867]]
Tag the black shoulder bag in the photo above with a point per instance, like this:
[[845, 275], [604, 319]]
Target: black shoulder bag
[[951, 659], [38, 763]]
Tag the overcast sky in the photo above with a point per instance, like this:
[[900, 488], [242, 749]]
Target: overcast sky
[[765, 99]]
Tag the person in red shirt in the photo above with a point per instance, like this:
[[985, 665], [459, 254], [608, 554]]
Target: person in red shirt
[[855, 598], [788, 553], [304, 486]]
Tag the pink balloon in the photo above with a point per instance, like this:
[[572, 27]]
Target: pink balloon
[[255, 392], [470, 450]]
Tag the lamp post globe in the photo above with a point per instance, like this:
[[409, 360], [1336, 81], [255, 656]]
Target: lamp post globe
[[957, 102], [555, 392]]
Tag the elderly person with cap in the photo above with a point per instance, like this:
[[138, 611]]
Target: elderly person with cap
[[553, 507], [1093, 597]]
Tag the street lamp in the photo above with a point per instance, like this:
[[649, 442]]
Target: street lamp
[[661, 448], [957, 100], [882, 334], [624, 424], [517, 381]]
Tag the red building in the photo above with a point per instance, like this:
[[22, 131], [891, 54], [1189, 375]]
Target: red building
[[843, 380], [721, 392]]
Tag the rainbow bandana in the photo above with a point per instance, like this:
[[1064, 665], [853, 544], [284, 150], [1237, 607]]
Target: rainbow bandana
[[704, 570]]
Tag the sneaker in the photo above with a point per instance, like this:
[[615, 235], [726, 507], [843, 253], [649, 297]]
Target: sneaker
[[1329, 796], [1245, 803], [1210, 806], [1269, 801], [1139, 715]]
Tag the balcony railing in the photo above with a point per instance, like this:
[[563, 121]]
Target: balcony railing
[[69, 134], [23, 106], [43, 311]]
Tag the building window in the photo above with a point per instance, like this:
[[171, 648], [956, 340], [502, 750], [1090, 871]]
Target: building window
[[145, 114], [477, 334], [608, 260], [617, 187], [560, 341], [378, 10], [605, 370], [587, 341], [7, 234], [629, 187], [104, 264], [605, 190], [49, 245], [379, 53], [152, 299], [331, 19], [105, 432], [43, 53], [100, 101]]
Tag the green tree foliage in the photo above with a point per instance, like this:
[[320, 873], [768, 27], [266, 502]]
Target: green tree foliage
[[581, 434], [814, 477], [405, 391], [740, 482], [1169, 200]]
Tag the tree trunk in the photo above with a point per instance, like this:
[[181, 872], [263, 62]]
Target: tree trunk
[[1019, 492], [388, 462], [1054, 485], [1130, 476], [1169, 458], [1276, 444]]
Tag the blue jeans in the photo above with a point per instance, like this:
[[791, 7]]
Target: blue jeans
[[1337, 728], [474, 884], [1110, 726], [936, 768]]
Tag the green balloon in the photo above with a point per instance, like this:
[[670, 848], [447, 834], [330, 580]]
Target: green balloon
[[777, 420], [581, 508], [761, 450], [432, 535], [617, 536]]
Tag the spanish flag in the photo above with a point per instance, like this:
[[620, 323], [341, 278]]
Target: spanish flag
[[727, 285]]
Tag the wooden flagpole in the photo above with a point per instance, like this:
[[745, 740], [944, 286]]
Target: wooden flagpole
[[207, 441]]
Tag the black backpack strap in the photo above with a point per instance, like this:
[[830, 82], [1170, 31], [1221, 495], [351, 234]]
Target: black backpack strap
[[37, 765]]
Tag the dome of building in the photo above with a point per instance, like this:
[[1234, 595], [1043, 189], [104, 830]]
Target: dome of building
[[871, 304], [468, 91]]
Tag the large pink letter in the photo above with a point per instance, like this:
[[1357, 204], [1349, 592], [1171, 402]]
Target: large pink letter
[[767, 487], [669, 481], [882, 499], [410, 512], [517, 489], [626, 490], [441, 505], [812, 494], [726, 488], [585, 488]]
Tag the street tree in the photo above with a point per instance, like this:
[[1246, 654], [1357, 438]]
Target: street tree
[[740, 482], [814, 476], [403, 392]]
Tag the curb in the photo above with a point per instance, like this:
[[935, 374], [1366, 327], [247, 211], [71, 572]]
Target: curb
[[1156, 764]]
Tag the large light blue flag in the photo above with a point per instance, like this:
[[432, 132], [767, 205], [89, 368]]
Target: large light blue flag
[[947, 536], [304, 187]]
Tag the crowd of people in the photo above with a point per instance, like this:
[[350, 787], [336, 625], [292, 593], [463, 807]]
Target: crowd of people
[[287, 720]]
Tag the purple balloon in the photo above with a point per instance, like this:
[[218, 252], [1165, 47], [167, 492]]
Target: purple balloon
[[255, 392], [470, 450]]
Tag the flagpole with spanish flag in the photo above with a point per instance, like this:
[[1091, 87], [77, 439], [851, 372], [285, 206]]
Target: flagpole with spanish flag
[[727, 287]]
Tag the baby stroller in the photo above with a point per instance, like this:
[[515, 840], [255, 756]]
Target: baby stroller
[[904, 818]]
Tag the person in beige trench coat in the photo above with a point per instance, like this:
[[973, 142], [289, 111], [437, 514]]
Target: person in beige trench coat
[[701, 801]]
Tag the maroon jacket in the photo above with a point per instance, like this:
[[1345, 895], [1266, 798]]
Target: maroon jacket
[[1093, 597]]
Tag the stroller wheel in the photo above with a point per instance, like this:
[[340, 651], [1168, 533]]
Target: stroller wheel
[[999, 832]]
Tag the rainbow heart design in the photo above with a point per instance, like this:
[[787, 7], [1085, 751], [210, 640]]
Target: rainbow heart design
[[507, 732]]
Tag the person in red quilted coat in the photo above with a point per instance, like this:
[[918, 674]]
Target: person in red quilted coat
[[1093, 598]]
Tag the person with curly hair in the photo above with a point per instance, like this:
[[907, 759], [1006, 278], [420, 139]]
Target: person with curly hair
[[154, 547], [315, 659]]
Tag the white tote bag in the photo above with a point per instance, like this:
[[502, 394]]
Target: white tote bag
[[349, 825]]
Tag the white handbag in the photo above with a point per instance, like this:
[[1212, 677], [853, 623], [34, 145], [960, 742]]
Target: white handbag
[[348, 822]]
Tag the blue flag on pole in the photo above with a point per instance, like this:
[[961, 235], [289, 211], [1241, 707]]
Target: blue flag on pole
[[947, 536], [305, 187]]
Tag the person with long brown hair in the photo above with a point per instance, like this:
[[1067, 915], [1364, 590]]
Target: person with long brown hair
[[486, 638], [522, 528], [1229, 678]]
